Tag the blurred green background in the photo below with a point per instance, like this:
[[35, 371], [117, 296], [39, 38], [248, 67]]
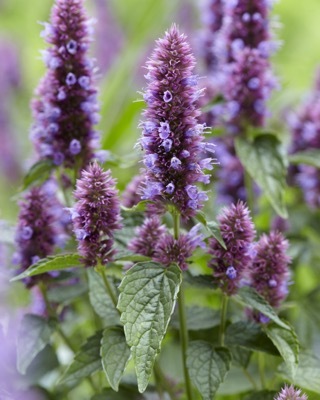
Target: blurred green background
[[138, 23]]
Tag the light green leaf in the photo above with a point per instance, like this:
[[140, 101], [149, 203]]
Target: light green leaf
[[51, 263], [307, 375], [125, 255], [308, 157], [66, 294], [288, 345], [38, 173], [251, 298], [207, 367], [86, 361], [250, 336], [33, 336], [147, 300], [141, 206], [115, 355], [264, 162], [100, 299], [212, 227]]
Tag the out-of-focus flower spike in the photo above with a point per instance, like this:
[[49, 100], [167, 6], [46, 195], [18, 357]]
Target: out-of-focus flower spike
[[290, 393]]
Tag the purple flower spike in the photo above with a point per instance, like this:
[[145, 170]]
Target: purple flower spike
[[238, 232], [96, 215], [290, 393], [131, 195], [170, 250], [269, 273], [171, 136], [38, 228], [247, 89], [66, 108], [147, 237]]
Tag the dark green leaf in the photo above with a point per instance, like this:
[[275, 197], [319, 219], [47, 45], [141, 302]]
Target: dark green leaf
[[207, 367], [251, 336], [307, 375], [251, 298], [308, 157], [147, 300], [240, 356], [124, 393], [198, 318], [115, 355], [264, 162], [125, 255], [66, 293], [45, 362], [34, 334], [86, 361], [38, 173], [287, 344], [202, 281], [51, 263], [100, 299], [263, 395]]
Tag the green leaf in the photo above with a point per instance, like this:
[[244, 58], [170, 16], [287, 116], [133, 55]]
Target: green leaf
[[100, 299], [212, 227], [141, 206], [51, 263], [44, 363], [308, 157], [198, 318], [207, 367], [147, 300], [251, 336], [66, 294], [264, 162], [33, 336], [240, 356], [124, 393], [262, 395], [86, 361], [251, 298], [287, 343], [125, 255], [115, 355], [307, 375], [38, 173]]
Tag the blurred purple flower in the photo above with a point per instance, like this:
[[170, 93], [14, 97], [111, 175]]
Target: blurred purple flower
[[170, 250], [238, 232], [290, 393], [147, 237], [38, 229], [96, 215], [131, 195], [172, 139], [66, 108], [269, 272]]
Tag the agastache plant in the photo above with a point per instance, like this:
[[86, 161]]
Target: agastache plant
[[237, 231], [171, 138], [290, 393], [96, 215], [65, 110]]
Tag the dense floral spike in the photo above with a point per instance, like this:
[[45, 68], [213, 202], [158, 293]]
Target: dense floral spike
[[238, 232], [247, 89], [247, 25], [290, 393], [269, 272], [170, 250], [172, 138], [147, 237], [38, 228], [66, 109], [305, 129], [96, 215], [132, 193]]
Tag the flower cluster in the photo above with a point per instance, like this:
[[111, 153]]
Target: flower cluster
[[66, 108], [290, 393], [237, 231], [172, 139], [147, 237], [38, 229], [269, 272], [305, 129], [95, 215]]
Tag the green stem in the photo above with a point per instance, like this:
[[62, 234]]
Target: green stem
[[63, 189], [250, 378], [261, 370], [102, 272], [250, 193], [182, 318], [162, 381], [223, 318]]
